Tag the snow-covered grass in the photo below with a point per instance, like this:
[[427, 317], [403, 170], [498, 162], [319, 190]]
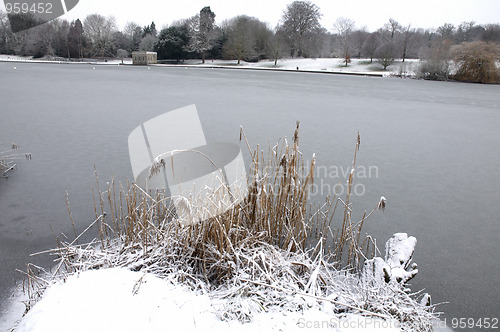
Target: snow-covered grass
[[264, 264], [277, 298], [121, 300], [48, 59], [325, 65]]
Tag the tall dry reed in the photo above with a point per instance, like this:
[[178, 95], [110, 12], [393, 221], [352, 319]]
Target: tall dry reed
[[276, 211]]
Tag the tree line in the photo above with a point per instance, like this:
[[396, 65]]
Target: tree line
[[244, 38]]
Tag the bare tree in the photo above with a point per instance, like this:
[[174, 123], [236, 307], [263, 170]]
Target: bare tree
[[300, 20], [42, 40], [5, 33], [121, 53], [406, 41], [359, 38], [278, 46], [491, 33], [371, 44], [392, 28], [468, 32], [446, 31], [246, 37], [344, 26], [20, 42], [239, 38], [148, 43], [133, 32], [320, 44], [386, 54], [61, 41], [99, 30], [263, 39]]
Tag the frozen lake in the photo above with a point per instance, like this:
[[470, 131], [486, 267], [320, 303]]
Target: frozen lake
[[433, 148]]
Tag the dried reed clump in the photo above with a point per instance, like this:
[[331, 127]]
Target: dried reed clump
[[269, 250], [8, 156]]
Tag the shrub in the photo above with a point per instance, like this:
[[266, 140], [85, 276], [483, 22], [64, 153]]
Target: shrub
[[476, 62], [434, 69], [436, 65]]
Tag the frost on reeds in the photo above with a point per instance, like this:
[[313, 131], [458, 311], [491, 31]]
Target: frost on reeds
[[8, 156], [271, 252]]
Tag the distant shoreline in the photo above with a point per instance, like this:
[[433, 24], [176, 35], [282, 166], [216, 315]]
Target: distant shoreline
[[359, 67]]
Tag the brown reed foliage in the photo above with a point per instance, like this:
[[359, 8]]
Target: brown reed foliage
[[276, 211]]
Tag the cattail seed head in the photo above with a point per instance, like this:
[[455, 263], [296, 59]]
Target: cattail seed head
[[381, 203]]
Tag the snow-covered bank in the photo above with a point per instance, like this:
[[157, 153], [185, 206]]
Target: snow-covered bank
[[30, 59], [117, 299], [122, 300], [320, 65]]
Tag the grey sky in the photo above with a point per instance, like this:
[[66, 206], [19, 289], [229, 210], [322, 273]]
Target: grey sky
[[370, 13]]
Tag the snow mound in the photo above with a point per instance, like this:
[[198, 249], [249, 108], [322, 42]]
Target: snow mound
[[121, 300], [118, 300]]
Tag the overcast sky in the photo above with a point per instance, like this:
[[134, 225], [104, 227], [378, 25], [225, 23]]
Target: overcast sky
[[371, 14]]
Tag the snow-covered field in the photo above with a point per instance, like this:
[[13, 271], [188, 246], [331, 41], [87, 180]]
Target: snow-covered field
[[327, 65], [15, 58]]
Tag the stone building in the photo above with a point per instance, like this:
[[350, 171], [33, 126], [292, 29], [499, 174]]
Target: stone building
[[144, 58]]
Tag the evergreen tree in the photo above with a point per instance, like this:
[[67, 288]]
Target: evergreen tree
[[172, 43], [76, 40]]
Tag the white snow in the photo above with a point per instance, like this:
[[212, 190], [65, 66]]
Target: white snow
[[122, 300], [398, 255], [326, 65], [15, 58]]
